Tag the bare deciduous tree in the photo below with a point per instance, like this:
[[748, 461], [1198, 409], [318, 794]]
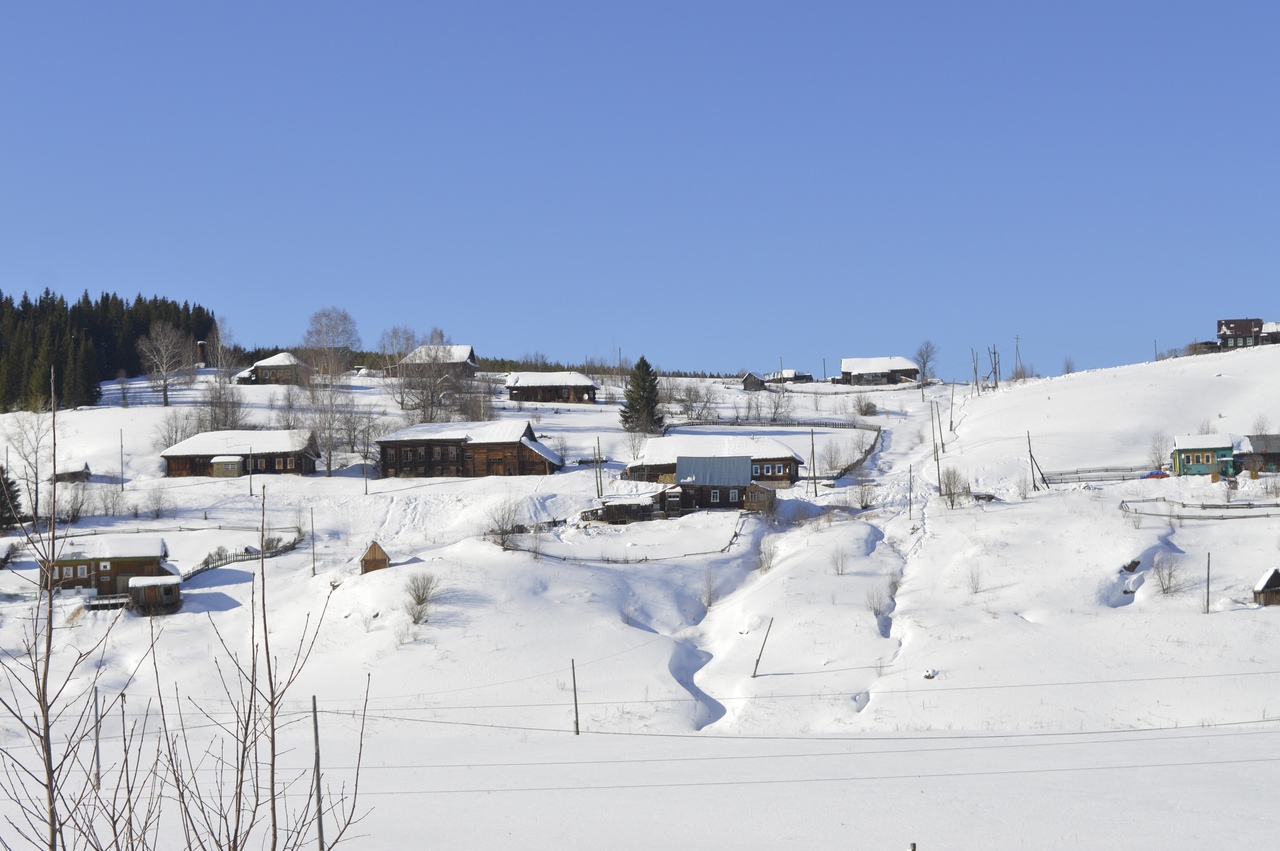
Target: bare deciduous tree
[[925, 357], [30, 435], [1167, 569], [394, 345], [1068, 365], [778, 404], [331, 339], [166, 354], [504, 516], [951, 487], [423, 590], [1158, 450]]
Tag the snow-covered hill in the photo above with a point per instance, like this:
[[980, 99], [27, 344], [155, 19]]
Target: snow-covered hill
[[1058, 710]]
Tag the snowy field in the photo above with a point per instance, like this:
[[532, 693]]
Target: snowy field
[[1067, 703]]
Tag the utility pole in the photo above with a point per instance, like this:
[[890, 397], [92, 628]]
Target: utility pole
[[250, 471], [762, 644], [97, 752], [813, 464], [951, 411], [315, 728], [574, 670], [1031, 461], [6, 458], [937, 409], [313, 542], [911, 486], [1208, 564]]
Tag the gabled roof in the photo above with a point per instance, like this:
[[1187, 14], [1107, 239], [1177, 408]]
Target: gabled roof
[[109, 547], [1263, 444], [282, 359], [549, 379], [1239, 327], [501, 431], [241, 442], [443, 355], [666, 450], [870, 366], [1269, 580], [732, 472], [1204, 441]]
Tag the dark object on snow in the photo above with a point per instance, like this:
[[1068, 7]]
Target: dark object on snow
[[984, 497], [1131, 566]]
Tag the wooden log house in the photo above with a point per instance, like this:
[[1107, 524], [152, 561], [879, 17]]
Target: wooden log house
[[227, 453], [872, 371], [560, 387], [1267, 591], [283, 368], [771, 460], [466, 450], [710, 483], [106, 564]]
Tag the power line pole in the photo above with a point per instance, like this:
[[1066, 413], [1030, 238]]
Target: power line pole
[[315, 729], [574, 671], [1208, 564], [313, 542], [762, 644]]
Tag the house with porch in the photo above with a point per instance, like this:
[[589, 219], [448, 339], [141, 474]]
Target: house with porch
[[1203, 455], [704, 484], [885, 370], [231, 453], [502, 448], [559, 387], [105, 564], [772, 461]]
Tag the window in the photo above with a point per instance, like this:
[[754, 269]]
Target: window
[[391, 456], [733, 495], [230, 465], [768, 469], [82, 570], [262, 463], [1198, 461], [104, 567], [435, 453], [422, 453], [1231, 342], [755, 469], [406, 455], [67, 571], [279, 463], [781, 469], [292, 461], [715, 496], [1248, 341], [453, 453], [1186, 460]]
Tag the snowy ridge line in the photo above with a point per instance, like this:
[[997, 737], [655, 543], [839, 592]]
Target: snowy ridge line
[[1239, 510], [297, 530], [647, 559]]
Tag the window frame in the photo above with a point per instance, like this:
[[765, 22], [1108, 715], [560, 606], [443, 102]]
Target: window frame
[[715, 495]]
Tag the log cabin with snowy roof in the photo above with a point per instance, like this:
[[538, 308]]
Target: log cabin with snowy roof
[[466, 450], [283, 368], [231, 453], [558, 387], [772, 461], [872, 371]]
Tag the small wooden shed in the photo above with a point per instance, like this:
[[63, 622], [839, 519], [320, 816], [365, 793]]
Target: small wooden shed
[[156, 595], [374, 558], [1267, 591]]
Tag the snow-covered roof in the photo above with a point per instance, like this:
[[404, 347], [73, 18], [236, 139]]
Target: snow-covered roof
[[282, 359], [665, 450], [447, 355], [224, 459], [152, 581], [1261, 443], [866, 366], [243, 442], [543, 450], [108, 547], [1266, 580], [549, 379], [1271, 327], [1204, 441], [502, 431]]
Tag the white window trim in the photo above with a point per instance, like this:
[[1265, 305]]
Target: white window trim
[[715, 495]]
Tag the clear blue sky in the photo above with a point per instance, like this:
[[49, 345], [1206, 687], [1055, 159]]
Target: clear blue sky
[[715, 185]]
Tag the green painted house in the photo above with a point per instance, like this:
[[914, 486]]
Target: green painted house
[[1203, 455]]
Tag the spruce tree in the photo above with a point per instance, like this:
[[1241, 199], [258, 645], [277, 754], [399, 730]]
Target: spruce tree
[[640, 410], [10, 505]]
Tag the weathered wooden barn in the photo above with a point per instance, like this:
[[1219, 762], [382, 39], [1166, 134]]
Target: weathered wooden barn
[[457, 361], [560, 387], [1258, 452], [215, 453], [72, 474], [753, 382], [620, 510], [885, 370], [771, 460], [155, 595], [374, 558], [503, 448], [788, 376], [1267, 591], [106, 564]]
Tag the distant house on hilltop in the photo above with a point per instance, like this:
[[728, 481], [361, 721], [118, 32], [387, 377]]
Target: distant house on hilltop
[[458, 361], [752, 382], [886, 370], [503, 448], [282, 368], [562, 387], [229, 453], [788, 376]]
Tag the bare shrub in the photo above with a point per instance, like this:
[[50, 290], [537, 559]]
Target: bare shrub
[[504, 515], [157, 502], [1024, 487], [839, 561], [952, 486], [1167, 569], [974, 579], [1068, 365], [866, 495], [709, 595], [877, 601], [864, 406], [1261, 424], [423, 590], [1205, 427], [1158, 451]]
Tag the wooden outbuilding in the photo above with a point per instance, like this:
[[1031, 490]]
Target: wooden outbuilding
[[560, 387], [503, 448], [753, 382], [107, 564], [455, 361], [872, 371], [771, 460], [72, 476], [155, 595], [374, 558], [1267, 591], [232, 453], [1258, 452], [282, 368]]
